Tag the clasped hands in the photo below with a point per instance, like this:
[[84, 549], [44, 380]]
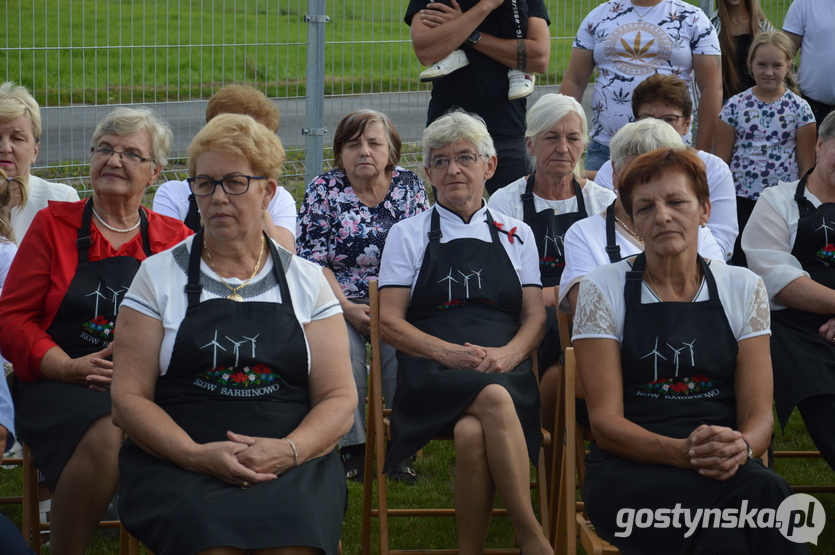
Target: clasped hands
[[715, 451], [243, 460], [481, 359]]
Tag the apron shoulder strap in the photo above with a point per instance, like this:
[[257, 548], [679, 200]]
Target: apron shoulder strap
[[434, 236], [143, 226], [612, 247], [84, 242], [193, 287], [528, 208], [804, 205], [634, 278], [581, 202], [280, 274], [192, 220]]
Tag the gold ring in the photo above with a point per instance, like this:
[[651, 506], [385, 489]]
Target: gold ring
[[245, 485]]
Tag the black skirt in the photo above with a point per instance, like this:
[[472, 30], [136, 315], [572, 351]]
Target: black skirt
[[51, 417], [178, 512]]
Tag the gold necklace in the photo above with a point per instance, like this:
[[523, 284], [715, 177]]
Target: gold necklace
[[626, 227], [652, 285], [234, 296]]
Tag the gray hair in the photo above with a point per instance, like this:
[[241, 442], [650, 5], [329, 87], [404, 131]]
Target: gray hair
[[16, 101], [827, 128], [456, 126], [640, 137], [126, 121], [546, 112]]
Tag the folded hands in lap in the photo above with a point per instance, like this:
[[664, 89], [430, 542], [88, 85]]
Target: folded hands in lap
[[715, 451]]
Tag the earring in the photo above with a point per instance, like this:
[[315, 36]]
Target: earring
[[704, 224]]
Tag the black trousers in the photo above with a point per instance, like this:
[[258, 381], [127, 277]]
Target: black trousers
[[818, 413]]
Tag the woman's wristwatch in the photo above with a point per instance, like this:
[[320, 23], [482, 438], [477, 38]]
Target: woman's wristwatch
[[749, 451]]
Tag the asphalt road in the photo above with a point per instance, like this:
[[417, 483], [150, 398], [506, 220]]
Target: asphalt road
[[67, 130]]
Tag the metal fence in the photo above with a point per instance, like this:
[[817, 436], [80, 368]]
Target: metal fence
[[81, 59]]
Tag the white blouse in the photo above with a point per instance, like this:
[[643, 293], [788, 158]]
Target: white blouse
[[585, 250], [407, 242], [507, 200], [723, 222], [601, 307], [769, 237], [158, 290]]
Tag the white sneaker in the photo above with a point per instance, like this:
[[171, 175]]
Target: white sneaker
[[521, 84], [453, 62]]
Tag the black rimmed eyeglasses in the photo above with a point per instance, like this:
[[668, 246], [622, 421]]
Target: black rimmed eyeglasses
[[231, 185]]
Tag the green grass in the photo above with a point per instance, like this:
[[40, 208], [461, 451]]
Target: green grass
[[436, 474]]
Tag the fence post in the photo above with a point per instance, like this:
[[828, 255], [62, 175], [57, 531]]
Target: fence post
[[315, 102]]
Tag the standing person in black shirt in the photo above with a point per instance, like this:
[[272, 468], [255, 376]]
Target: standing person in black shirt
[[482, 86]]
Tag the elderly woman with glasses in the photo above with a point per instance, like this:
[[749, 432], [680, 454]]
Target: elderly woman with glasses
[[461, 302], [232, 376], [57, 316]]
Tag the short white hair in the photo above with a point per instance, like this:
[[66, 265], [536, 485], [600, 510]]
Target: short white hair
[[456, 126], [639, 137], [125, 121]]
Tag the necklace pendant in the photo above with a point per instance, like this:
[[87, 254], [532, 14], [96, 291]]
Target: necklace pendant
[[235, 297]]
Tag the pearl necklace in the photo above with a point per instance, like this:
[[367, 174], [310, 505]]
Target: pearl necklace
[[116, 229], [233, 295]]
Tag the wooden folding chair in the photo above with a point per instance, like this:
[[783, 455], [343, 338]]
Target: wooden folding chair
[[572, 523], [32, 525], [377, 432], [804, 455]]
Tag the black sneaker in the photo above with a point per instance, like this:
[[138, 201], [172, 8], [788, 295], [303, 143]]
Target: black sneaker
[[353, 460]]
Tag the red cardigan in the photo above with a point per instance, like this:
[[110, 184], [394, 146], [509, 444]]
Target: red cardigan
[[43, 268]]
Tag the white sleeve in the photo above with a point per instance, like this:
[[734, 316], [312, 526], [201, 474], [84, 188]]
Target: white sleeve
[[165, 203], [767, 245], [723, 219], [708, 246], [604, 176], [594, 317], [326, 304], [795, 21], [72, 194], [579, 261], [142, 295], [529, 258], [397, 266], [757, 315], [283, 210]]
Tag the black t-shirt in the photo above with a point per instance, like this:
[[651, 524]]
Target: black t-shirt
[[481, 87]]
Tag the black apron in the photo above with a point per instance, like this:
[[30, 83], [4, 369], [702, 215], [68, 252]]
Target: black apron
[[549, 229], [679, 361], [84, 324], [804, 362], [240, 366], [467, 291]]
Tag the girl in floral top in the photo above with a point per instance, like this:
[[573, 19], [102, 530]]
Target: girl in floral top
[[767, 133], [344, 220]]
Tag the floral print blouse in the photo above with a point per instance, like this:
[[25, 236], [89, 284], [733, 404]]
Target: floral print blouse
[[766, 140], [337, 231]]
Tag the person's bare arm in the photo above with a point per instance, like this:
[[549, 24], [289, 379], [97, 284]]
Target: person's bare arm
[[805, 149], [707, 71], [136, 370], [725, 140], [577, 76], [531, 330], [439, 29], [93, 371], [530, 55], [333, 399], [796, 39], [280, 235], [807, 295], [403, 336]]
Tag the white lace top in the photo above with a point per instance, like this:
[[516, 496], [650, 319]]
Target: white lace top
[[601, 306]]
